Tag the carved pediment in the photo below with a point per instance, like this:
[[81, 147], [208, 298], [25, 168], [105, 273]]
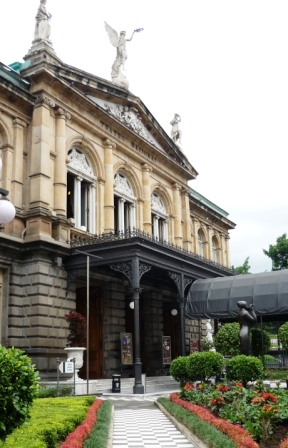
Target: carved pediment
[[129, 116]]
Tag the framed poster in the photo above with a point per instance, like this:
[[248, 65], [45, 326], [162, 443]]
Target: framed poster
[[166, 349], [194, 346], [126, 348]]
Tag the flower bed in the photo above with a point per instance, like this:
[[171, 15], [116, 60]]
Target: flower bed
[[76, 438], [239, 435], [262, 413]]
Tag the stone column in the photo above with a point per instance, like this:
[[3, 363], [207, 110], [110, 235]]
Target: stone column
[[227, 261], [177, 212], [121, 220], [60, 169], [156, 226], [77, 201], [40, 179], [18, 163], [109, 186], [139, 215], [92, 200], [209, 246], [100, 218], [7, 167], [195, 231], [146, 170], [187, 242], [132, 216]]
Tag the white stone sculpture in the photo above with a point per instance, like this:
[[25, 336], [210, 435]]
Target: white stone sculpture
[[42, 27], [209, 333], [119, 42], [176, 134]]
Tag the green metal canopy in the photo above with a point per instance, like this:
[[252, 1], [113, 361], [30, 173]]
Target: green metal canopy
[[216, 298]]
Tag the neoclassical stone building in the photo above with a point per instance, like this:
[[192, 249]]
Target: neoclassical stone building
[[91, 172]]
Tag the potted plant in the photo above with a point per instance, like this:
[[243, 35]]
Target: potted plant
[[76, 339]]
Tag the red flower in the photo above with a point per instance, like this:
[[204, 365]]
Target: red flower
[[76, 438], [239, 435]]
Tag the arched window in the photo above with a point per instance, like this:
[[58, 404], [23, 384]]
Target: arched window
[[159, 218], [215, 251], [80, 191], [124, 204], [200, 243]]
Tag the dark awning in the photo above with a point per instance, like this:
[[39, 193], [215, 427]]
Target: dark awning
[[216, 298]]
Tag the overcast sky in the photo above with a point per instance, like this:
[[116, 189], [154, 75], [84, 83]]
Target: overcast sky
[[222, 65]]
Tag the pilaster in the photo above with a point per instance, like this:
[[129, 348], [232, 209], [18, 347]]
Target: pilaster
[[40, 179], [187, 242], [147, 225], [18, 164], [177, 212], [60, 170], [109, 186]]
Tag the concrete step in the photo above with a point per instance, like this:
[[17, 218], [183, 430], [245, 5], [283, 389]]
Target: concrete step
[[151, 384]]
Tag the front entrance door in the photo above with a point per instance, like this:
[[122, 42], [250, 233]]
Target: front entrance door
[[95, 330]]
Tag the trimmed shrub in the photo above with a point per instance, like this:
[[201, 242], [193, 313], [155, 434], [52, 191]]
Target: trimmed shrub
[[244, 368], [178, 369], [227, 341], [52, 419], [50, 392], [18, 388], [256, 341], [202, 365], [283, 335]]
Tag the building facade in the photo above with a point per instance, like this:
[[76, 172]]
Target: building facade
[[104, 213]]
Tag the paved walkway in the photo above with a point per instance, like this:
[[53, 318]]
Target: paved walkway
[[138, 423]]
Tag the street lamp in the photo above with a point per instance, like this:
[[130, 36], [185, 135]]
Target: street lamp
[[7, 210]]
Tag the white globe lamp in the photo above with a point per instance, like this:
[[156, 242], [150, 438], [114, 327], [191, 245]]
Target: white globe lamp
[[7, 210]]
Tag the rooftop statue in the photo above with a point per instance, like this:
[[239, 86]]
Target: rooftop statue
[[119, 42], [176, 134], [42, 27]]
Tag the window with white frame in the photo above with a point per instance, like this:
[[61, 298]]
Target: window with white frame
[[81, 195], [159, 218], [124, 204]]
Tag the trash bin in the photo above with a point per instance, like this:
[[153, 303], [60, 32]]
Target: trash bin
[[116, 383]]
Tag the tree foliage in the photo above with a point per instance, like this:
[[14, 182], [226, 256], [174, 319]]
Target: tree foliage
[[278, 252], [202, 365], [244, 268], [283, 335], [244, 368], [227, 341], [257, 336], [18, 388]]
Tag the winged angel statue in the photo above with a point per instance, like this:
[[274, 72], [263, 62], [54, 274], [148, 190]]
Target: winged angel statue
[[119, 42]]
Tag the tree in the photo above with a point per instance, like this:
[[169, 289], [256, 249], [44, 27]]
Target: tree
[[278, 253], [226, 340], [244, 269], [18, 388]]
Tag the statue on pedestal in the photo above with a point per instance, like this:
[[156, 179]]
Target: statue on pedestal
[[246, 318], [119, 42], [176, 134], [42, 27]]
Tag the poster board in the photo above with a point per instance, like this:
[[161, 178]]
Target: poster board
[[194, 346], [126, 348], [166, 350]]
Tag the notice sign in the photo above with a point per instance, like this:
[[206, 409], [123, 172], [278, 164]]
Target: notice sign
[[126, 348], [166, 350], [194, 345], [66, 367]]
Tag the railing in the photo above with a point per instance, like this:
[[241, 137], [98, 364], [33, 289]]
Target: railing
[[84, 239]]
